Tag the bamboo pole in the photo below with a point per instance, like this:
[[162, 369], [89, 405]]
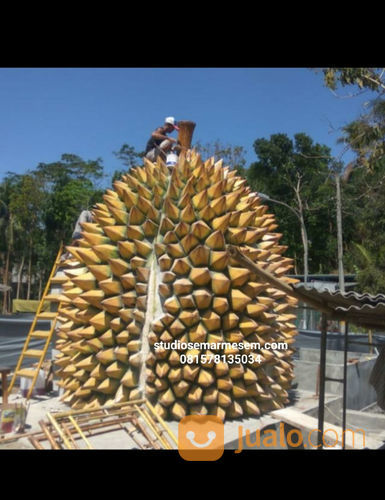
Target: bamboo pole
[[162, 422], [235, 253], [57, 427], [67, 430], [110, 423], [131, 432], [79, 412], [35, 443], [48, 435], [143, 430], [85, 419], [43, 436], [74, 423], [151, 426]]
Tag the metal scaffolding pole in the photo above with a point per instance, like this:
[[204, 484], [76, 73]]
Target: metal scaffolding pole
[[321, 401], [346, 341]]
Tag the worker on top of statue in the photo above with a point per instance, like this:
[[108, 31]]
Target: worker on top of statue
[[159, 143]]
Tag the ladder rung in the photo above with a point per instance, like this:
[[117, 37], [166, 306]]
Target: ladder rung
[[40, 334], [34, 353], [47, 315], [26, 372], [331, 379]]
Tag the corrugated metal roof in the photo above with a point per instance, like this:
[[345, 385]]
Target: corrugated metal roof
[[362, 309]]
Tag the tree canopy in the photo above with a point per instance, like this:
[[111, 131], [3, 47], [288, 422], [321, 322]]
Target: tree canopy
[[297, 173]]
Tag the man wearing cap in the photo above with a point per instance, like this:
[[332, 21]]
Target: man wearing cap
[[159, 143]]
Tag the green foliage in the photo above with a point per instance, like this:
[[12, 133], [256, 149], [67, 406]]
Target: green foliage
[[365, 136], [66, 203], [70, 167], [39, 209], [234, 156], [296, 172], [364, 78], [129, 156], [364, 220]]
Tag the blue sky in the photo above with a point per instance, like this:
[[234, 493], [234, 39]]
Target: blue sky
[[91, 112]]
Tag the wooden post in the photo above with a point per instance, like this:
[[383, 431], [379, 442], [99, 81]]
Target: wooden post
[[4, 383], [50, 438], [370, 336], [186, 130], [236, 254], [35, 443], [341, 276]]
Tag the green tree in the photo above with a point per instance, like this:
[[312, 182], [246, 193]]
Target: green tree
[[365, 136], [129, 157], [364, 216], [70, 167], [234, 156], [65, 204], [296, 173], [72, 185], [8, 233], [38, 210], [364, 78], [27, 204]]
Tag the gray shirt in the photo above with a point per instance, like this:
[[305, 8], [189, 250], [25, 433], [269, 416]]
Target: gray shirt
[[85, 216]]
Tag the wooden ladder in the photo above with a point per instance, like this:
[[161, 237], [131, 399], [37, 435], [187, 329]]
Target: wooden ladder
[[33, 333]]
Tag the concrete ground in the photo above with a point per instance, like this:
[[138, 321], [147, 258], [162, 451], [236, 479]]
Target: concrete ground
[[38, 408], [302, 401]]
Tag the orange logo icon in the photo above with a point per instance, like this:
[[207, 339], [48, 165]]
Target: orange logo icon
[[201, 438]]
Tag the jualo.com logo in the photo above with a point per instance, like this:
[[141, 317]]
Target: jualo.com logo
[[201, 438]]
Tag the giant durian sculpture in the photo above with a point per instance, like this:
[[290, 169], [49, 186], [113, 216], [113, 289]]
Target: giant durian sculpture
[[154, 267]]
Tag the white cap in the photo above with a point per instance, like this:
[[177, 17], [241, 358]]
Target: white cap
[[171, 121]]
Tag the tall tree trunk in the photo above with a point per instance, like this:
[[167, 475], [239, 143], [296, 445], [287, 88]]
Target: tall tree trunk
[[304, 237], [40, 286], [19, 275], [341, 276], [295, 263], [29, 273], [305, 249], [5, 280], [305, 243]]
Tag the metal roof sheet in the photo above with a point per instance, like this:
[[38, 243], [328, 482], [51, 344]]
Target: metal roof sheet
[[364, 309]]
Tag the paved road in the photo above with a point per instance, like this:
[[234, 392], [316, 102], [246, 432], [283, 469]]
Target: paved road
[[13, 332]]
